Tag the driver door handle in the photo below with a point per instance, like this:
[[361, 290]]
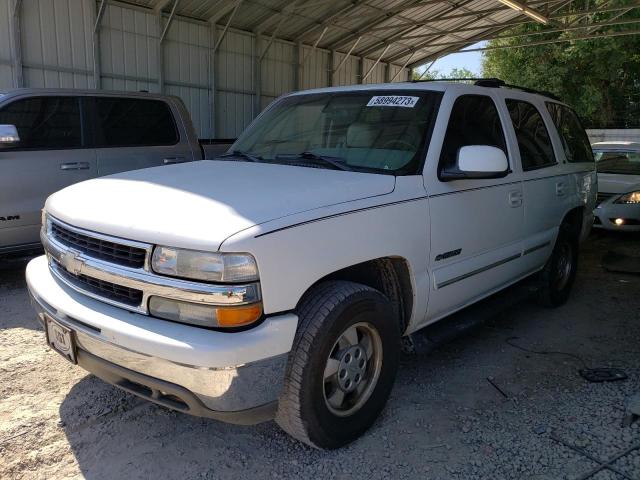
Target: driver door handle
[[74, 166], [172, 160], [515, 198]]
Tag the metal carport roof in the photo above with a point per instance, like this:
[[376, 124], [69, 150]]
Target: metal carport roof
[[403, 32]]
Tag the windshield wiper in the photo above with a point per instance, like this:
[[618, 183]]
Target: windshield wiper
[[335, 162], [246, 155]]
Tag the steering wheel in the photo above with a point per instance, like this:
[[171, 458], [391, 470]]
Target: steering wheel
[[396, 141]]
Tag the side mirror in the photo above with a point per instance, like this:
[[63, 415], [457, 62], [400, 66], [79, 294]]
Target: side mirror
[[477, 161], [9, 134]]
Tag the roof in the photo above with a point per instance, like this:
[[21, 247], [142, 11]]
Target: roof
[[403, 32], [79, 91], [613, 145], [439, 86]]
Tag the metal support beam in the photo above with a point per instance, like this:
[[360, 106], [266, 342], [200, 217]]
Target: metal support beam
[[226, 27], [346, 57], [257, 76], [315, 45], [16, 43], [557, 40], [286, 12], [360, 69], [404, 65], [375, 64], [212, 74], [297, 72], [97, 70], [168, 24], [387, 72], [332, 56]]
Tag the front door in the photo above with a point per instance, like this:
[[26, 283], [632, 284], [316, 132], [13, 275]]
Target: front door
[[476, 224], [49, 156]]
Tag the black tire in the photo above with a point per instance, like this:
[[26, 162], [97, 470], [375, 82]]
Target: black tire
[[557, 277], [324, 315]]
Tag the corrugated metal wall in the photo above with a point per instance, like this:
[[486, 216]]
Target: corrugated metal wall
[[57, 51]]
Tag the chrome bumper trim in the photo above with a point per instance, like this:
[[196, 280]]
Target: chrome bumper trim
[[150, 284], [230, 389]]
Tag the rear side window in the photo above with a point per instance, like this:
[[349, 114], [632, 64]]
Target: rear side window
[[536, 150], [574, 139], [126, 122], [474, 120], [44, 123]]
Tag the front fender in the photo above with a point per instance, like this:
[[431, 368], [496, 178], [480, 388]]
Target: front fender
[[293, 256]]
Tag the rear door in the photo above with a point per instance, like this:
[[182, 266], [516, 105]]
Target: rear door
[[476, 224], [547, 189], [52, 153], [133, 133]]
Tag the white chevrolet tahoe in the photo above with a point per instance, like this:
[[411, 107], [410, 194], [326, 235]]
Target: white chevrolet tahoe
[[278, 280]]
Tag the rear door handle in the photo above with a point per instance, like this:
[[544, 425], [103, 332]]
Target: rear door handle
[[515, 198], [171, 160], [74, 166], [560, 189]]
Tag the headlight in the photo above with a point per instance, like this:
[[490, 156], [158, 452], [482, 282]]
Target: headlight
[[204, 315], [633, 197], [208, 266]]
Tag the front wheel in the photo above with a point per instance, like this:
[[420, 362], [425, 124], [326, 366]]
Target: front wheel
[[559, 273], [342, 366]]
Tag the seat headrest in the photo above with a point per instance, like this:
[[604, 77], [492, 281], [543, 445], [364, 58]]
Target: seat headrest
[[361, 135]]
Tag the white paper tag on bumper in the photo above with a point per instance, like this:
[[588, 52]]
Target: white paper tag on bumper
[[393, 101]]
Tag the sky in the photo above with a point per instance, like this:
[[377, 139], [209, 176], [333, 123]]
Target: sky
[[470, 60]]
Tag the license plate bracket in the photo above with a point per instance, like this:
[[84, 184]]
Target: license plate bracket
[[60, 339]]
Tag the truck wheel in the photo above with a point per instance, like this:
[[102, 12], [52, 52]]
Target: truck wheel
[[342, 365], [559, 273]]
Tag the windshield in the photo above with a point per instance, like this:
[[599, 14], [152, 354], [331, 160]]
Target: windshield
[[617, 161], [382, 132]]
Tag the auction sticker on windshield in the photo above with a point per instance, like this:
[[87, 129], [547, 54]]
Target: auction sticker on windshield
[[393, 101]]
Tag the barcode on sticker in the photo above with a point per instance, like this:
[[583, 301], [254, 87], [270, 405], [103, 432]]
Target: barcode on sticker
[[393, 101]]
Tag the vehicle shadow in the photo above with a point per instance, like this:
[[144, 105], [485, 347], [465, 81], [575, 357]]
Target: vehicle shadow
[[15, 306]]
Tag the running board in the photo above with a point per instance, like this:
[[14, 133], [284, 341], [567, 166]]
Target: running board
[[458, 324]]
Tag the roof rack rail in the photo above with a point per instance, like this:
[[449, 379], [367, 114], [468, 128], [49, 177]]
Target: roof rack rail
[[489, 83]]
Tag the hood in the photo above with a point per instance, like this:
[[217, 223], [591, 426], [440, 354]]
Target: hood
[[198, 205], [618, 183]]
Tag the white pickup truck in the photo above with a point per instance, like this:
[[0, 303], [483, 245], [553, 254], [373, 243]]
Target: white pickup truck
[[278, 280]]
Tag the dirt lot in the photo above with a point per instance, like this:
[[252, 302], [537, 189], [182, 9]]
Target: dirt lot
[[445, 419]]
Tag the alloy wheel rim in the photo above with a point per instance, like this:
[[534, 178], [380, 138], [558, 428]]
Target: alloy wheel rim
[[563, 266], [352, 369]]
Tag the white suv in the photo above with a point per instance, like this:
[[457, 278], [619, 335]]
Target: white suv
[[277, 281]]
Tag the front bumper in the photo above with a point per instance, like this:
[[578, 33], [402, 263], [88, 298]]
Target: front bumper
[[608, 211], [234, 377]]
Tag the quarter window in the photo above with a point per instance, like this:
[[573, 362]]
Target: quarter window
[[474, 120], [536, 150], [125, 122], [44, 123], [574, 139]]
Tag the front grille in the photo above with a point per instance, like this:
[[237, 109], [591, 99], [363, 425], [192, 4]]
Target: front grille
[[602, 197], [97, 248], [106, 290]]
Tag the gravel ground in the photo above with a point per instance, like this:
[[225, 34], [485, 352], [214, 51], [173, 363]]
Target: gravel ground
[[445, 419]]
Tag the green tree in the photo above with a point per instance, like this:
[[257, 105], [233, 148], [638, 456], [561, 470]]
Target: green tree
[[599, 78]]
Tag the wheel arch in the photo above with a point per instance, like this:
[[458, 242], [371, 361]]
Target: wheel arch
[[390, 275], [574, 219]]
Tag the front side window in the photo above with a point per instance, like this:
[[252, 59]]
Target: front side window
[[574, 139], [618, 161], [474, 120], [378, 132], [127, 122], [44, 123], [536, 150]]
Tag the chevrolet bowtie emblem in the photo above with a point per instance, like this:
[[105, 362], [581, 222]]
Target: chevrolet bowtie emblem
[[71, 262]]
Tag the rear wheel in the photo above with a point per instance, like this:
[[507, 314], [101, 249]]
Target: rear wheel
[[559, 273], [342, 366]]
